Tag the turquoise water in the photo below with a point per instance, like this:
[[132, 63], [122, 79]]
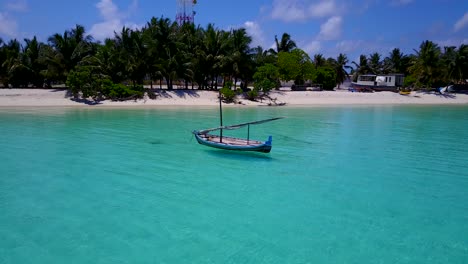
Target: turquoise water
[[341, 185]]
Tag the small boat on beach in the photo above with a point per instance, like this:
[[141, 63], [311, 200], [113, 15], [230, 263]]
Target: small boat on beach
[[205, 137], [404, 92]]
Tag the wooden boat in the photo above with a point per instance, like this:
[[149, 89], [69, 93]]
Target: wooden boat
[[232, 143], [204, 137]]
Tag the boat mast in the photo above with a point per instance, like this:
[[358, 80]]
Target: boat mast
[[220, 118]]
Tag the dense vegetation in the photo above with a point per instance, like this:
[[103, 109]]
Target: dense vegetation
[[189, 56]]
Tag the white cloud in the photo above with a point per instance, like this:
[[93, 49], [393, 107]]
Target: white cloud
[[313, 47], [106, 29], [8, 26], [254, 30], [113, 19], [297, 10], [451, 42], [348, 46], [288, 11], [108, 9], [323, 9], [8, 22], [462, 22], [17, 6], [331, 29]]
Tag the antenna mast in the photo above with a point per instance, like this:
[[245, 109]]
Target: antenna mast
[[185, 11]]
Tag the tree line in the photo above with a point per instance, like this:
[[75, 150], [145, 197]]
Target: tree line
[[204, 57]]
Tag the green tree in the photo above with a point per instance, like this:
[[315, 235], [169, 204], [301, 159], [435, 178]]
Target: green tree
[[2, 60], [426, 66], [340, 66], [215, 47], [375, 63], [261, 57], [107, 62], [266, 78], [132, 53], [295, 65], [319, 60], [64, 52], [455, 63], [461, 68], [15, 71], [240, 62], [286, 44], [325, 76], [396, 62], [82, 82], [360, 68], [189, 42], [32, 62]]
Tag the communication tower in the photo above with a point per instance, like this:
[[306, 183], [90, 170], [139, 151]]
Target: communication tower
[[185, 11]]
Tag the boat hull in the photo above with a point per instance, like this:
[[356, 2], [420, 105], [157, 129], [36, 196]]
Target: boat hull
[[231, 143], [377, 88]]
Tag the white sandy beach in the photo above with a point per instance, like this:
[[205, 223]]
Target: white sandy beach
[[57, 98]]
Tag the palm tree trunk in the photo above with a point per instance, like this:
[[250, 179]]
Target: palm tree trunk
[[168, 83]]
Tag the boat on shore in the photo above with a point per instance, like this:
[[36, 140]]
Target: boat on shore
[[207, 138], [388, 82], [404, 92]]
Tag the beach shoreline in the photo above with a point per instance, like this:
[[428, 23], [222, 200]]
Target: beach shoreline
[[18, 98]]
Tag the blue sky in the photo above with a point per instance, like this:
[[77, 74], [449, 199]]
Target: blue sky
[[328, 27]]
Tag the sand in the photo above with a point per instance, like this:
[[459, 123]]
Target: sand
[[60, 98]]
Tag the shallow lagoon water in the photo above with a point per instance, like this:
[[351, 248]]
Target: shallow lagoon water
[[342, 185]]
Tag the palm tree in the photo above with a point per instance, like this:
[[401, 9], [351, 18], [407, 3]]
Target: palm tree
[[151, 37], [188, 43], [32, 61], [396, 62], [375, 65], [426, 66], [215, 46], [319, 60], [360, 68], [167, 50], [132, 52], [286, 44], [240, 66], [107, 62], [2, 59], [14, 67], [462, 64], [262, 57], [449, 59], [340, 69], [66, 51], [201, 64], [456, 63]]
